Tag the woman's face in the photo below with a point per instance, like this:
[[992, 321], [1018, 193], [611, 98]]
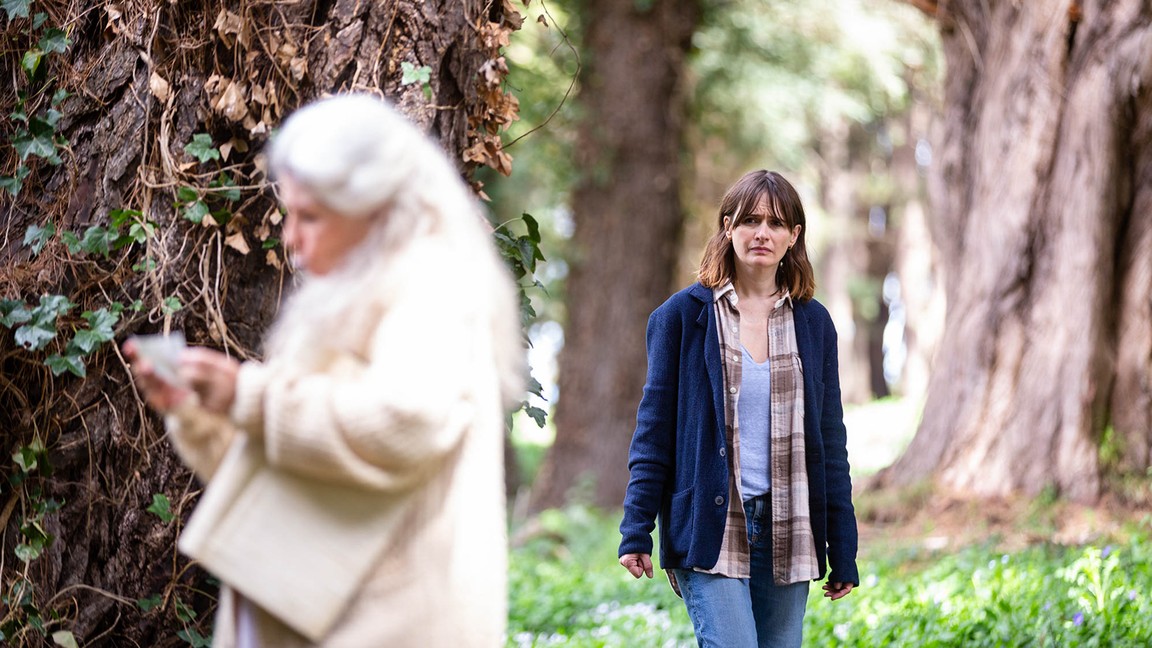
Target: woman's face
[[318, 238], [760, 238]]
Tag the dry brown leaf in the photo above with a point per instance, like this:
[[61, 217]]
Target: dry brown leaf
[[299, 67], [237, 242], [225, 150], [258, 94], [273, 259], [231, 103], [159, 87], [231, 28]]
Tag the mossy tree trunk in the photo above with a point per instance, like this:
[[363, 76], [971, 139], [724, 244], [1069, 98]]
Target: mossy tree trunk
[[144, 79], [628, 222], [1043, 191]]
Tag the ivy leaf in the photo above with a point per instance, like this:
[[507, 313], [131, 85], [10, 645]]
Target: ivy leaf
[[31, 62], [69, 362], [59, 96], [41, 327], [226, 183], [411, 74], [270, 243], [16, 8], [194, 638], [71, 241], [140, 232], [186, 195], [161, 508], [121, 217], [196, 211], [201, 148], [54, 40], [536, 413], [99, 331], [147, 265], [533, 228], [15, 183], [535, 387], [171, 305], [13, 312], [34, 142], [150, 603], [28, 552], [38, 236], [26, 458], [98, 240], [183, 612]]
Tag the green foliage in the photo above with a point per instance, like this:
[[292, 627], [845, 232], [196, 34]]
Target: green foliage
[[422, 75], [16, 8], [201, 148], [161, 508], [567, 589]]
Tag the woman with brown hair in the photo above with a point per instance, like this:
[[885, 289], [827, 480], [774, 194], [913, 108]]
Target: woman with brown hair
[[740, 446]]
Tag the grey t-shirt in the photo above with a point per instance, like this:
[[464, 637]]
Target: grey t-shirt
[[754, 413]]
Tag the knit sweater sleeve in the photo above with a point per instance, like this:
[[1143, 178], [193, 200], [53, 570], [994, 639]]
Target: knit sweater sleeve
[[201, 439], [382, 421]]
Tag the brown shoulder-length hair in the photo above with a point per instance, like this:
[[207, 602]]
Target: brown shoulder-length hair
[[719, 265]]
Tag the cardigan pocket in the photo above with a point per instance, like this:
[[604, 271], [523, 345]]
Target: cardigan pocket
[[681, 518]]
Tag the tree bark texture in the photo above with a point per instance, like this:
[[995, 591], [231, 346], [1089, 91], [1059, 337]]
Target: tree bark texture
[[144, 78], [628, 222], [1043, 196]]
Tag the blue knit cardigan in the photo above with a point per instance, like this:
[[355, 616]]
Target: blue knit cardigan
[[678, 469]]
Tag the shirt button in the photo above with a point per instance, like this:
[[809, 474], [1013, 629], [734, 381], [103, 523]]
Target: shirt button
[[731, 390], [735, 358], [719, 501], [723, 452]]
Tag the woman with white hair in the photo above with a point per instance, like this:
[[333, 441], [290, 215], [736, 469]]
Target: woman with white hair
[[355, 477]]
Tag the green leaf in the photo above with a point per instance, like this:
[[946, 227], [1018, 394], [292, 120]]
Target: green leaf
[[226, 184], [38, 19], [54, 40], [71, 241], [121, 217], [140, 232], [64, 638], [59, 96], [41, 327], [194, 638], [15, 183], [187, 195], [150, 603], [535, 387], [183, 612], [16, 8], [533, 228], [13, 312], [26, 458], [98, 240], [171, 305], [28, 552], [137, 305], [201, 148], [196, 211], [31, 62], [147, 265], [70, 362], [536, 413], [270, 243], [161, 508], [27, 143], [38, 236], [411, 74]]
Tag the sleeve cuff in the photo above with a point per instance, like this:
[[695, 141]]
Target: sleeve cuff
[[248, 407]]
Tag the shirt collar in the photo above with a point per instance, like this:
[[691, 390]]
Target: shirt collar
[[727, 290]]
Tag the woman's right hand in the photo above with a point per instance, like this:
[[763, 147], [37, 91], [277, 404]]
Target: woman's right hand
[[637, 564], [161, 395]]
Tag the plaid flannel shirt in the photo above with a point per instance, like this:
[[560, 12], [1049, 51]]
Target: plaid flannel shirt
[[793, 544]]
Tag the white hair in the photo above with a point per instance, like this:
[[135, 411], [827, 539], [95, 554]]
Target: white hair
[[360, 157]]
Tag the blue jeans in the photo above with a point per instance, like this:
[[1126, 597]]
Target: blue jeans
[[746, 612]]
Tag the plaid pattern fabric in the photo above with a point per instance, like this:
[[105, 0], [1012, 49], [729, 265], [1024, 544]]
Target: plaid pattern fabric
[[793, 544]]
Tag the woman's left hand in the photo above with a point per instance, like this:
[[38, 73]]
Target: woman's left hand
[[212, 375], [837, 590]]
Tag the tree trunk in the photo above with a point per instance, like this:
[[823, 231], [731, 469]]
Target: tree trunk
[[628, 222], [1043, 187], [144, 78]]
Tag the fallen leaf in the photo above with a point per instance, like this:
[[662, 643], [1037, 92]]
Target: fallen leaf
[[238, 242], [159, 87], [273, 259]]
